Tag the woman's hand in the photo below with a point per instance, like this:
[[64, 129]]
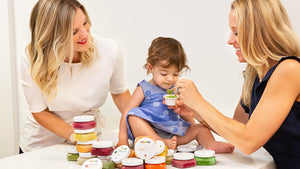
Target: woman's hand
[[188, 93]]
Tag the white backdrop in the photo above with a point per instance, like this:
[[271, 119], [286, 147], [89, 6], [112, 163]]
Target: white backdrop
[[201, 27]]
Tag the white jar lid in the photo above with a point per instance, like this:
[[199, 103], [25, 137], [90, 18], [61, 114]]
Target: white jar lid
[[156, 160], [170, 152], [103, 144], [86, 142], [160, 147], [132, 161], [187, 148], [204, 153], [104, 157], [86, 155], [83, 118], [145, 147], [93, 163], [183, 156], [73, 150], [120, 153], [85, 131]]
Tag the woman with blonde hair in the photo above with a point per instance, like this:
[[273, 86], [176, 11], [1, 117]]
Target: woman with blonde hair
[[268, 113], [67, 72]]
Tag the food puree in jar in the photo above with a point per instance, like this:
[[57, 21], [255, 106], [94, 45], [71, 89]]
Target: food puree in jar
[[205, 157], [183, 160], [102, 148], [85, 135], [157, 162], [83, 122]]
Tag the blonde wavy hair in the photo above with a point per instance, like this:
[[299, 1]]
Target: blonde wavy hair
[[265, 35], [51, 25]]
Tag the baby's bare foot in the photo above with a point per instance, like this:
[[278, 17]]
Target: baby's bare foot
[[171, 143]]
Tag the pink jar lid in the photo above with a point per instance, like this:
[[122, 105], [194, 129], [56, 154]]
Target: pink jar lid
[[83, 118]]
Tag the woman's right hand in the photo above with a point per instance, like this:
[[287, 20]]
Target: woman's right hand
[[188, 93]]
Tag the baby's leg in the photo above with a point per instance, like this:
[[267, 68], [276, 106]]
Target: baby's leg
[[205, 138], [141, 127]]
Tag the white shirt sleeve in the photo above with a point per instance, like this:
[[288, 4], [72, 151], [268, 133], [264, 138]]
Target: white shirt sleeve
[[33, 94], [117, 81]]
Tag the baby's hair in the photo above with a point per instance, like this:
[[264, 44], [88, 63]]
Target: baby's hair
[[167, 49]]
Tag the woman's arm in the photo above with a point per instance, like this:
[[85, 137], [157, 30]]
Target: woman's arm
[[53, 123], [267, 117], [135, 101], [121, 100], [240, 114]]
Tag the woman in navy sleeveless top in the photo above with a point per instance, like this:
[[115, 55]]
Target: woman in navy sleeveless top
[[269, 113]]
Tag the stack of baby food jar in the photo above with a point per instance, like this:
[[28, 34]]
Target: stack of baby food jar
[[85, 135]]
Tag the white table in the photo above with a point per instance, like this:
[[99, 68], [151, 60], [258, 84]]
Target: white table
[[54, 157]]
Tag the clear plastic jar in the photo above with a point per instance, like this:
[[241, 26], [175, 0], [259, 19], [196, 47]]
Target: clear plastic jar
[[157, 162], [84, 122], [169, 157], [132, 163], [73, 154], [84, 146], [145, 147], [102, 148], [85, 135], [188, 148], [183, 160], [83, 157], [205, 157]]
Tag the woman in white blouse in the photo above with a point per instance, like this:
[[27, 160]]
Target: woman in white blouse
[[66, 72]]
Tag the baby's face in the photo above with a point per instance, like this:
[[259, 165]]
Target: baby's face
[[165, 77]]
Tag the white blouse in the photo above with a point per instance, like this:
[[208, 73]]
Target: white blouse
[[79, 89]]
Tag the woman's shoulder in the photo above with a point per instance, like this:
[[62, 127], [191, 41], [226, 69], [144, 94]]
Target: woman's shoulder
[[288, 70]]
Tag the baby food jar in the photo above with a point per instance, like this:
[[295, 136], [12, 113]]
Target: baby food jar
[[83, 122], [93, 163], [170, 156], [170, 99], [161, 148], [121, 153], [83, 157], [106, 161], [132, 163], [157, 162], [85, 135], [183, 160], [205, 157], [84, 146], [102, 148], [145, 147], [188, 148], [73, 154]]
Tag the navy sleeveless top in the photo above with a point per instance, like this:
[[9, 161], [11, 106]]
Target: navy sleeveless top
[[284, 145]]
